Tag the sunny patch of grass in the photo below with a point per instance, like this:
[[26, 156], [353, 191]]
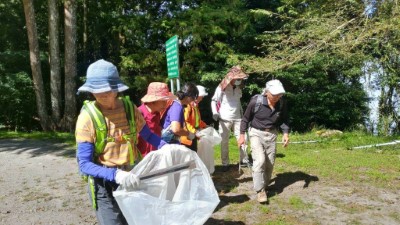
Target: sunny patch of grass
[[279, 221], [395, 216], [36, 135], [238, 211], [233, 152], [297, 203], [334, 161], [264, 209]]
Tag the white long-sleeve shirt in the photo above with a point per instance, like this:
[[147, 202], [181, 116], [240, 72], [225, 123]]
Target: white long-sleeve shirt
[[230, 102]]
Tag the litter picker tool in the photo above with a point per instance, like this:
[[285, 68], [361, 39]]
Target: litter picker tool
[[173, 169]]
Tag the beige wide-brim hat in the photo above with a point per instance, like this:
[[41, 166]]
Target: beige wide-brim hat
[[157, 91], [235, 72]]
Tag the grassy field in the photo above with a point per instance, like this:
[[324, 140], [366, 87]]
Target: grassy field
[[333, 157]]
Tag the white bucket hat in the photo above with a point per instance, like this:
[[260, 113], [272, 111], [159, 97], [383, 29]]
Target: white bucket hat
[[202, 90], [275, 87]]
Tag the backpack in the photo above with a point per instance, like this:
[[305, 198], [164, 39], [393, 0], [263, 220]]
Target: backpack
[[100, 127], [259, 101]]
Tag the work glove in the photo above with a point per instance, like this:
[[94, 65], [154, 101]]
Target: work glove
[[129, 181], [191, 136], [215, 116], [198, 134]]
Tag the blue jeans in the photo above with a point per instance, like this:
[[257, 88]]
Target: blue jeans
[[107, 211], [168, 136]]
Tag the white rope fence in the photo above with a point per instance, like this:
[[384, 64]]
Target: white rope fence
[[377, 145]]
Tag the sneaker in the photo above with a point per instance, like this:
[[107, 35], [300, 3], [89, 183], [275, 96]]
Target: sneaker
[[262, 196]]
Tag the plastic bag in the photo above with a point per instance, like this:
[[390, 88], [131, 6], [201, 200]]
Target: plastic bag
[[188, 197], [205, 147]]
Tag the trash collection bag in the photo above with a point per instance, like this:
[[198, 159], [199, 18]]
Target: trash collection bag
[[205, 147], [185, 197]]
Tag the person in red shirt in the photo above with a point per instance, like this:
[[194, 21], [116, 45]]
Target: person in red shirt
[[153, 103]]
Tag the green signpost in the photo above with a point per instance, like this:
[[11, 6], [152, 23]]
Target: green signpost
[[172, 51]]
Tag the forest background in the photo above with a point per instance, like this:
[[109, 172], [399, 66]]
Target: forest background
[[324, 52]]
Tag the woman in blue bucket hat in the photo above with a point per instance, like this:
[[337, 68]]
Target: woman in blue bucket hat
[[106, 132]]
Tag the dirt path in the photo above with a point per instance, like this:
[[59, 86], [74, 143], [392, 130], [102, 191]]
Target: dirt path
[[39, 185]]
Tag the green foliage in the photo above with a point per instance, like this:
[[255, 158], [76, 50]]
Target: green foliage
[[324, 92], [16, 93], [317, 48], [210, 33]]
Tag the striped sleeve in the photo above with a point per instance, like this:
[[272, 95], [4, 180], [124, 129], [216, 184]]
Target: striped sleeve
[[84, 131], [139, 119]]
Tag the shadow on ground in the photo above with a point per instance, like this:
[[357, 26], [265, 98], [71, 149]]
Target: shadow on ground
[[283, 180], [212, 221], [227, 200], [36, 147], [226, 181]]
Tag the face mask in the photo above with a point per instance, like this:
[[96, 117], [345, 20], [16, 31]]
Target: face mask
[[238, 82]]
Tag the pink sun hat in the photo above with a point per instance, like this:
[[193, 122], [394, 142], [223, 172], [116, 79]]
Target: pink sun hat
[[157, 91]]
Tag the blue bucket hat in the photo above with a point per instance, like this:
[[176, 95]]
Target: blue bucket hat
[[102, 76]]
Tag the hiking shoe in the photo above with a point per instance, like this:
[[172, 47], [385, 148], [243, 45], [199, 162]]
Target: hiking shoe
[[262, 197]]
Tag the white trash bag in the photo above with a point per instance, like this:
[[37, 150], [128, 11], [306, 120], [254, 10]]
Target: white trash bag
[[184, 197], [205, 147]]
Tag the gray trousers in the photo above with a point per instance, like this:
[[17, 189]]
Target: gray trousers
[[107, 212], [263, 147], [225, 127]]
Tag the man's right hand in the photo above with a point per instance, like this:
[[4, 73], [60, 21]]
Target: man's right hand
[[241, 141], [216, 116]]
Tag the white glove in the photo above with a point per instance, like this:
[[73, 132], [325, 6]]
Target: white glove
[[127, 180], [191, 136], [216, 116], [198, 135]]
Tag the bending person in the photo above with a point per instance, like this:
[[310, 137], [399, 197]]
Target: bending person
[[193, 119], [154, 102], [173, 121]]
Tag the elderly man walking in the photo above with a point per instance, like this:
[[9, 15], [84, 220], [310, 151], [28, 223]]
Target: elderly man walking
[[263, 115]]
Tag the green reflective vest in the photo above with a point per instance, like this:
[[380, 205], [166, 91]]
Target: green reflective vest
[[102, 137]]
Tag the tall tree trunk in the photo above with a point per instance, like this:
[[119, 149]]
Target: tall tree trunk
[[35, 64], [55, 69], [85, 31], [70, 64]]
